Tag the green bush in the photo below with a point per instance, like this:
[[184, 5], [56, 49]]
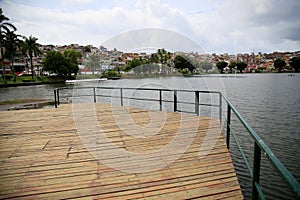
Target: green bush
[[111, 73], [9, 76], [27, 79]]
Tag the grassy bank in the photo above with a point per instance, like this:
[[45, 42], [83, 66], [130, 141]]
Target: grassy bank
[[27, 80], [87, 76]]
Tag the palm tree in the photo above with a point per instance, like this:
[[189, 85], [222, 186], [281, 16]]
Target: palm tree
[[163, 57], [154, 58], [6, 27], [12, 44], [93, 62], [30, 47]]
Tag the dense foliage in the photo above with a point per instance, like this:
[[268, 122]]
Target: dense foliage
[[5, 27], [241, 66], [64, 64], [221, 65], [295, 63], [30, 47], [72, 61], [183, 63], [205, 66], [133, 64], [12, 43], [279, 63]]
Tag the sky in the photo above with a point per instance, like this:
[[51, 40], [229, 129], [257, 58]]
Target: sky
[[216, 26]]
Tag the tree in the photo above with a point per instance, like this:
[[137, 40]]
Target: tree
[[295, 63], [55, 62], [92, 62], [133, 64], [64, 64], [162, 55], [205, 66], [31, 48], [12, 43], [154, 58], [182, 63], [87, 49], [241, 66], [72, 60], [279, 63], [221, 65], [232, 65], [4, 28]]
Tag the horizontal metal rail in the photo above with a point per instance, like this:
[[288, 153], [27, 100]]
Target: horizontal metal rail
[[242, 152], [259, 145]]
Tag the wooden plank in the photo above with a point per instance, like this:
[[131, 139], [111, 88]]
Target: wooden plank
[[42, 156]]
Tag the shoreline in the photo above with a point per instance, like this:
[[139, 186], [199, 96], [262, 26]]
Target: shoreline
[[137, 76], [28, 84], [23, 104]]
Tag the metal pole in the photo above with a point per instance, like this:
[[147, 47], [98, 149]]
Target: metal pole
[[228, 126], [160, 100], [197, 111], [94, 92], [175, 100], [256, 170], [55, 102], [57, 91], [121, 96], [220, 108]]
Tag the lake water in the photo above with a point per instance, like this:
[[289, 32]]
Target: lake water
[[270, 103]]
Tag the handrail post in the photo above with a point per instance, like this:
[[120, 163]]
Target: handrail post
[[121, 96], [160, 100], [256, 170], [175, 100], [94, 92], [55, 102], [57, 91], [220, 108], [197, 111], [228, 126]]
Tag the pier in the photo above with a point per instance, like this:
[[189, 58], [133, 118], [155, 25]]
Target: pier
[[94, 150], [43, 157]]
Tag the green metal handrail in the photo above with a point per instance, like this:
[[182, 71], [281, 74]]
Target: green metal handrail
[[259, 145]]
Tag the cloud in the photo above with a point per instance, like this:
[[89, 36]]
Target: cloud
[[250, 25], [219, 26], [76, 1], [152, 39]]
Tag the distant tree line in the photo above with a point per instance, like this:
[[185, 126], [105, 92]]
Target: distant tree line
[[183, 64], [294, 63], [163, 62], [279, 64]]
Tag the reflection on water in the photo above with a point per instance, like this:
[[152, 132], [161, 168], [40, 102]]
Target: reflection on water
[[270, 103]]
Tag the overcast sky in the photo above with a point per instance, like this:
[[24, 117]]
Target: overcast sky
[[217, 26]]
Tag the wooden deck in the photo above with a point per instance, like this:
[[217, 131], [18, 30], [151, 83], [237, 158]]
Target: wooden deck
[[42, 157]]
